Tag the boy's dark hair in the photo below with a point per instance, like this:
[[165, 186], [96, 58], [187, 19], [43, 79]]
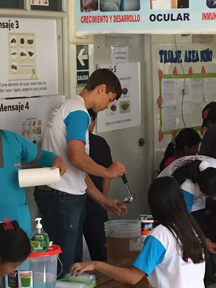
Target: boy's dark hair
[[206, 179], [107, 77], [14, 243], [92, 113], [186, 137], [168, 208]]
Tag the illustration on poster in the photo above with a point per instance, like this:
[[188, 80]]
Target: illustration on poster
[[211, 3], [22, 56], [109, 5], [168, 4]]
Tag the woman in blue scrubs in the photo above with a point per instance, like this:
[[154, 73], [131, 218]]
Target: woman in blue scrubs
[[14, 150]]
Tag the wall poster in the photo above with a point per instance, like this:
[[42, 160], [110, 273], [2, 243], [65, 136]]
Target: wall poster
[[126, 112], [28, 116], [28, 57], [145, 16]]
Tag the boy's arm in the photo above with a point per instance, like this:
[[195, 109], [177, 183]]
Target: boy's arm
[[113, 205], [106, 185], [130, 275], [81, 160]]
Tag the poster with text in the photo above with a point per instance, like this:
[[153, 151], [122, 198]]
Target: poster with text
[[28, 57], [28, 116], [126, 112], [145, 16]]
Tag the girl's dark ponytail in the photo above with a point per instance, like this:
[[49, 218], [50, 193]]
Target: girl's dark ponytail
[[189, 171], [14, 242], [169, 152]]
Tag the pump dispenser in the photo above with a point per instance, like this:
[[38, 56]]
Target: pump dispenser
[[40, 239]]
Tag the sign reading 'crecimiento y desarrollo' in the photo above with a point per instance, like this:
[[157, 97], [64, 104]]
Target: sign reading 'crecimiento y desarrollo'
[[145, 16]]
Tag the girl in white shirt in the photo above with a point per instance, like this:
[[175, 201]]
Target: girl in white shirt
[[174, 251]]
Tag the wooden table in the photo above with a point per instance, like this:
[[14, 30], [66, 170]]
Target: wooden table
[[104, 281]]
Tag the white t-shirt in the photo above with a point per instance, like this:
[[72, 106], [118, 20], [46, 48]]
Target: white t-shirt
[[70, 120], [161, 260], [194, 198]]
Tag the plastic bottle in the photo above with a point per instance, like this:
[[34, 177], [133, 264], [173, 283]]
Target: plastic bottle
[[40, 239]]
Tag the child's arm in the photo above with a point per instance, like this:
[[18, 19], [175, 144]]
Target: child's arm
[[130, 275]]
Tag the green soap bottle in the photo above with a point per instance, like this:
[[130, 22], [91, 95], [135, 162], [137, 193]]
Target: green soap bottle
[[40, 239]]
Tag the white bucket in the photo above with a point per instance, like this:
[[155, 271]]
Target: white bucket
[[123, 241]]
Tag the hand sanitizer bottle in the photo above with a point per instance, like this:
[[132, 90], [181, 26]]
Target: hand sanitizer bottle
[[40, 239]]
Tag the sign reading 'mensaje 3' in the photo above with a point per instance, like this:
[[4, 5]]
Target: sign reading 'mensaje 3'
[[146, 16]]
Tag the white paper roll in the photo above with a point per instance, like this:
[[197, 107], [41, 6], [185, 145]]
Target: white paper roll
[[38, 176]]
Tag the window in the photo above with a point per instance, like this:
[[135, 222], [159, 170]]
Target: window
[[12, 4]]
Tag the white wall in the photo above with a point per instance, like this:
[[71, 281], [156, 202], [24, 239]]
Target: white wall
[[124, 142]]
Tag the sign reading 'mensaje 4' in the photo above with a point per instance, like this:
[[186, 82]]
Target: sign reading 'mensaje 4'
[[146, 16]]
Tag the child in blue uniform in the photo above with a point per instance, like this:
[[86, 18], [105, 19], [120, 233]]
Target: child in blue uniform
[[14, 246], [197, 177], [174, 251]]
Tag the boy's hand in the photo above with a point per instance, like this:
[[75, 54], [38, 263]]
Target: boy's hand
[[114, 205], [115, 170], [59, 163]]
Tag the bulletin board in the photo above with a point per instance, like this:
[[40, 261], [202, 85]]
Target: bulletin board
[[184, 96], [176, 67]]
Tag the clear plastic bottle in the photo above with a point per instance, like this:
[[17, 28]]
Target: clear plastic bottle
[[40, 239]]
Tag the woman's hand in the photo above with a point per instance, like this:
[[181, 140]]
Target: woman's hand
[[78, 268], [59, 163]]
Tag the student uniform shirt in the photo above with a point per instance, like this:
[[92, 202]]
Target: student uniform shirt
[[194, 198], [70, 120], [161, 260]]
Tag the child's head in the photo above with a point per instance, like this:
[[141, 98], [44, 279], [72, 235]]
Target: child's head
[[168, 208], [209, 115], [107, 77], [166, 199], [186, 143], [14, 246], [198, 172]]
